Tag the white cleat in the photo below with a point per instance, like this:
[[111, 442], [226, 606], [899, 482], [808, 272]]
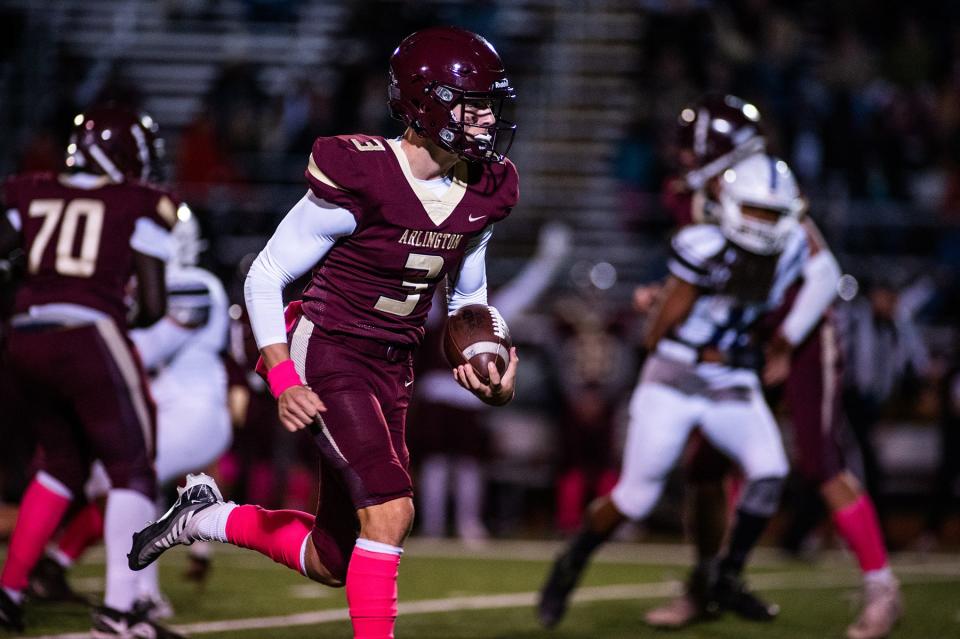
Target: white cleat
[[882, 608], [676, 613]]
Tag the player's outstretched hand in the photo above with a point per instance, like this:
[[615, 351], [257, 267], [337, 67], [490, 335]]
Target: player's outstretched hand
[[645, 296], [500, 390], [297, 406]]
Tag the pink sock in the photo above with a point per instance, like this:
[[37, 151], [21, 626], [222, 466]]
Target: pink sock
[[84, 530], [278, 534], [42, 508], [372, 589], [859, 526]]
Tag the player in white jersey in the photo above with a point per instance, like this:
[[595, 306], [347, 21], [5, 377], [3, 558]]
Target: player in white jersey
[[184, 352], [702, 371], [188, 382]]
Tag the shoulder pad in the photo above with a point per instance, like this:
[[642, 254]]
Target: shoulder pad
[[160, 205], [691, 250], [336, 164], [699, 242]]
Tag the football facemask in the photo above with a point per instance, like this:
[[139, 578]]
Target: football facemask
[[767, 184]]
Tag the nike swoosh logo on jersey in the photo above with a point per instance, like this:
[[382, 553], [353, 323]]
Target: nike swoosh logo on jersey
[[475, 219], [408, 384]]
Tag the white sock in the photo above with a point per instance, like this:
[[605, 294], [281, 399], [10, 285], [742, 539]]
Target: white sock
[[378, 546], [879, 576], [60, 557], [201, 550], [148, 582], [211, 523], [127, 512], [16, 595]]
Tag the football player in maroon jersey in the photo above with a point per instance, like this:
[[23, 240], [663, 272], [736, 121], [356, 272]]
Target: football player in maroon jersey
[[803, 353], [383, 222], [85, 232]]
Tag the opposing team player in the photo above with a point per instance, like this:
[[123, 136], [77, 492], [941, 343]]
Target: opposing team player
[[85, 233], [803, 352], [383, 222], [701, 372], [188, 381]]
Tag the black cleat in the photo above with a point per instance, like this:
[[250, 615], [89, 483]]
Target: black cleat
[[48, 582], [556, 591], [110, 624], [178, 525], [729, 592], [11, 613]]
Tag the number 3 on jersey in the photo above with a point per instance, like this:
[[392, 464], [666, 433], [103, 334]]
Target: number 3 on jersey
[[432, 265], [82, 265]]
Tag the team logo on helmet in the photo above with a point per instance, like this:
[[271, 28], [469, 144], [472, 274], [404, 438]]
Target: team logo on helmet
[[116, 141]]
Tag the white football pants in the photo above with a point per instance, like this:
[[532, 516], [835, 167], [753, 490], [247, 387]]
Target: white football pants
[[661, 419]]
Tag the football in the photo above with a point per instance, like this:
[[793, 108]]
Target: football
[[475, 335]]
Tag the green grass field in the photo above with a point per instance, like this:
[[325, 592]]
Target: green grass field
[[450, 592]]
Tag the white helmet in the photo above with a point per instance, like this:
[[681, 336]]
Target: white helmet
[[187, 244], [764, 182]]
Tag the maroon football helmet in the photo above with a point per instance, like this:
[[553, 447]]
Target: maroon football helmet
[[719, 131], [117, 142], [438, 69]]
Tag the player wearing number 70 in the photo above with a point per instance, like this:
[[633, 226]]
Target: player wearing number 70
[[383, 222], [82, 234]]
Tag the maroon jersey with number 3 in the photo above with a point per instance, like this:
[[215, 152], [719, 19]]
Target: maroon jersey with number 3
[[77, 239], [379, 281]]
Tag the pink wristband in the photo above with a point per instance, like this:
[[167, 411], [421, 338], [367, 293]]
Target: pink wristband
[[283, 376]]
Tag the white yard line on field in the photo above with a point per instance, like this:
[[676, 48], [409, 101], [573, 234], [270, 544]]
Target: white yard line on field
[[653, 553], [770, 581]]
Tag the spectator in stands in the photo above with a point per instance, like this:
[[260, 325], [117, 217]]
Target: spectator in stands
[[595, 367], [884, 344]]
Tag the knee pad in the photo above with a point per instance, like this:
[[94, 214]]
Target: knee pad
[[761, 497]]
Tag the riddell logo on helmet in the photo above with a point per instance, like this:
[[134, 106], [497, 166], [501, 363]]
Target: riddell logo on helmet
[[501, 84]]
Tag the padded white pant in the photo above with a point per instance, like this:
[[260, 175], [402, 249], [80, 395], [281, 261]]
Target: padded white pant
[[661, 420]]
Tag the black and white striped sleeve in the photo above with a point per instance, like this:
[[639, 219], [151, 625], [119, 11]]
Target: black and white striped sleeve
[[690, 252]]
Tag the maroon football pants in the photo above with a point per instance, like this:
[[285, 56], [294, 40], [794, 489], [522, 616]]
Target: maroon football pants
[[366, 389], [84, 393]]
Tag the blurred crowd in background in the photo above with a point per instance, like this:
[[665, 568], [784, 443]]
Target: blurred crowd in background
[[863, 102]]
